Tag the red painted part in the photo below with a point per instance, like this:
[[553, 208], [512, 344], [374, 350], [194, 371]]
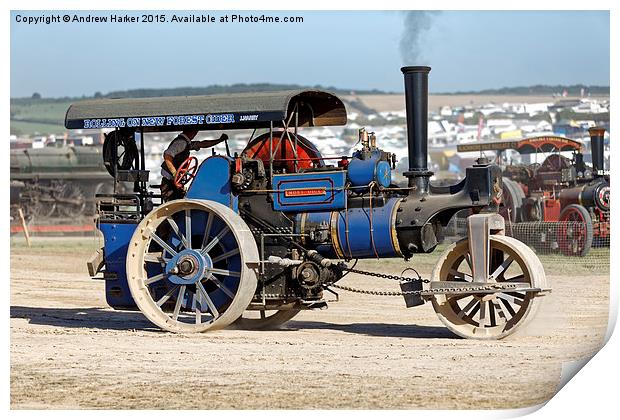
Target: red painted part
[[601, 224], [55, 228], [572, 234], [308, 155], [552, 210], [186, 172], [601, 230], [547, 143]]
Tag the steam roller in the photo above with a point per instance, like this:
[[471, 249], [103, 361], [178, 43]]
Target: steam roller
[[270, 231]]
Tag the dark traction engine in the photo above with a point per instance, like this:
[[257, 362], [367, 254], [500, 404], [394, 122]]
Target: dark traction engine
[[291, 225]]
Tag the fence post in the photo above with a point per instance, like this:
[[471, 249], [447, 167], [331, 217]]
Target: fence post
[[26, 233]]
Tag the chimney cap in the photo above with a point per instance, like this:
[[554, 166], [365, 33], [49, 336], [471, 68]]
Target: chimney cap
[[415, 69], [596, 131]]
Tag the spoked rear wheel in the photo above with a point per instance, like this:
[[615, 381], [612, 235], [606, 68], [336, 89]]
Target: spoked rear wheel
[[189, 266], [265, 320], [493, 315], [575, 231], [512, 200]]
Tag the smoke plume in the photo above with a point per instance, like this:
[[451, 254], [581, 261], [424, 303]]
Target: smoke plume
[[417, 23]]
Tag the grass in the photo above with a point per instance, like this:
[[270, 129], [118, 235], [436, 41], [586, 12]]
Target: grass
[[596, 262], [29, 128], [42, 118], [62, 245]]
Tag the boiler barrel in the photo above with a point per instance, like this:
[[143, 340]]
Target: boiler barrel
[[352, 233], [592, 195]]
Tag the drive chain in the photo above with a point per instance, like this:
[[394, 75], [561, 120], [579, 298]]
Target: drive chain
[[473, 289], [387, 276], [437, 291]]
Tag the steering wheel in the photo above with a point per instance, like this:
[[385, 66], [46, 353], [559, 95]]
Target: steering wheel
[[186, 172]]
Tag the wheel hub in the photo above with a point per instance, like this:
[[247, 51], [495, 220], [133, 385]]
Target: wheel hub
[[188, 267]]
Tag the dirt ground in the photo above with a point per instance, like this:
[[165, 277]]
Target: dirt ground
[[69, 350]]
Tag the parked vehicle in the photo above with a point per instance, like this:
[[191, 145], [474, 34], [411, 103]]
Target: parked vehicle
[[560, 189]]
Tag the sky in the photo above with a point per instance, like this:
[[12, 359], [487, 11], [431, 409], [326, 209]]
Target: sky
[[468, 50]]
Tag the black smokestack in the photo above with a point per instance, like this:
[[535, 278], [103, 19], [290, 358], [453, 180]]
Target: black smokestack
[[597, 135], [416, 100]]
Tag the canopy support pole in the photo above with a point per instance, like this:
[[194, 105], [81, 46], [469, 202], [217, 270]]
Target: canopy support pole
[[270, 148], [296, 124]]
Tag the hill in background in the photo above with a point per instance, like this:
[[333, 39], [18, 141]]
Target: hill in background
[[37, 115]]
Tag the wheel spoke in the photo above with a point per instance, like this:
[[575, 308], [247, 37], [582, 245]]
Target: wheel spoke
[[167, 296], [492, 319], [188, 228], [194, 306], [467, 308], [214, 241], [155, 278], [198, 316], [498, 309], [508, 306], [177, 305], [460, 275], [221, 286], [475, 310], [483, 314], [503, 267], [225, 273], [511, 299], [516, 279], [207, 233], [225, 255], [176, 230], [154, 257], [210, 303], [468, 261], [163, 244]]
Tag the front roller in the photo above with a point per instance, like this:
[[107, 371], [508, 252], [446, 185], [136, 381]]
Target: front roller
[[507, 274], [191, 266]]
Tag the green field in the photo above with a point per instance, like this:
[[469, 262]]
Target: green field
[[38, 117]]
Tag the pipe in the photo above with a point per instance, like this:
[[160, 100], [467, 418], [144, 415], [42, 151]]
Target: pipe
[[597, 136], [416, 100]]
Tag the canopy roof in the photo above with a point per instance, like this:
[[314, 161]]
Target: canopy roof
[[525, 146], [210, 112]]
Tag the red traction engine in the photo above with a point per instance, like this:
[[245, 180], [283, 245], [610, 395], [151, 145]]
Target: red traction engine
[[562, 190]]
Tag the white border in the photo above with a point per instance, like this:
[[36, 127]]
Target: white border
[[592, 394]]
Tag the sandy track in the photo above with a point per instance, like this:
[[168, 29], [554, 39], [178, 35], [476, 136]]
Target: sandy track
[[68, 350]]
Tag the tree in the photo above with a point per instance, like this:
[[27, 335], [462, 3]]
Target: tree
[[36, 95], [97, 95]]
